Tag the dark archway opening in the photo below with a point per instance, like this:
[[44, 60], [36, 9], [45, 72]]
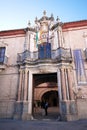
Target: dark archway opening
[[52, 98]]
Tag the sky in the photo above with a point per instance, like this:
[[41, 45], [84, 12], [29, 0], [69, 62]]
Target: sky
[[15, 14]]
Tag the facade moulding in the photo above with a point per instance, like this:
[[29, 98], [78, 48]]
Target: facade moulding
[[12, 32], [74, 24], [12, 36], [74, 29], [64, 27]]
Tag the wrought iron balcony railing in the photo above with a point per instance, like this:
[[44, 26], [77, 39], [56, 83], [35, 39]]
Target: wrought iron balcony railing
[[59, 55], [27, 55], [62, 54]]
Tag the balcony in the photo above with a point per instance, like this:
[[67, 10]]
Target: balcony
[[59, 55], [27, 56], [3, 62], [62, 55]]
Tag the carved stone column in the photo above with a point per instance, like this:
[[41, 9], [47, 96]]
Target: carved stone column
[[63, 84], [30, 92], [20, 86], [25, 95], [69, 74], [68, 109], [28, 39], [58, 38], [25, 85], [59, 84]]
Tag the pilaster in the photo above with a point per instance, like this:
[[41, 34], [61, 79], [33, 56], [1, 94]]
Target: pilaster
[[63, 84], [30, 92], [26, 85], [59, 83], [69, 75], [68, 108], [20, 86]]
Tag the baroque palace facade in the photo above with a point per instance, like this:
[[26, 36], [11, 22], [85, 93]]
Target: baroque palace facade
[[47, 61]]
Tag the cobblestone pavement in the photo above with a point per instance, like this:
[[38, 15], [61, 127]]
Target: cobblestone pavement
[[42, 125]]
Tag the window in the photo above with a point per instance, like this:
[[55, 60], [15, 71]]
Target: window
[[44, 51], [2, 54]]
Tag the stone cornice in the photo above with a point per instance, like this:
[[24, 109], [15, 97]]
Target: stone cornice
[[67, 25], [12, 32], [74, 24]]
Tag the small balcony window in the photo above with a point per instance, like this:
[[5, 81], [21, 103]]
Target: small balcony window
[[2, 54]]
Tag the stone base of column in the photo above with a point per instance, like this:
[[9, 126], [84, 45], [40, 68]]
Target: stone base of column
[[21, 111], [18, 110], [27, 116], [69, 117], [68, 110]]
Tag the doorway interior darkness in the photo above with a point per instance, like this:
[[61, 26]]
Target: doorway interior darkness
[[45, 88], [42, 78], [51, 97]]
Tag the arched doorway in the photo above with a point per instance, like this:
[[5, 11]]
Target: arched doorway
[[46, 88], [51, 97]]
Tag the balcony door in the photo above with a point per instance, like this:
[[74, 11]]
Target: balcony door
[[44, 51]]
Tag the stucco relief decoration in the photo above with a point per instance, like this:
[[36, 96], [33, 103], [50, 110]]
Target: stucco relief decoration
[[42, 29], [80, 93]]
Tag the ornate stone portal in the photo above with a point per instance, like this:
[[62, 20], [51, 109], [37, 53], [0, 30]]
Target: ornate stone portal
[[45, 57], [46, 61]]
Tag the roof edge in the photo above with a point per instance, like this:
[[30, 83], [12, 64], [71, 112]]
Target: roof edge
[[65, 25], [74, 24], [12, 32]]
